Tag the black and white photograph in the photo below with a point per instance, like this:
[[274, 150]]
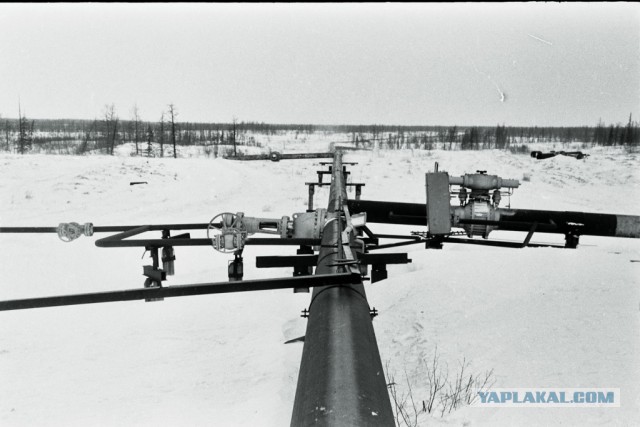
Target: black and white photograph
[[320, 214]]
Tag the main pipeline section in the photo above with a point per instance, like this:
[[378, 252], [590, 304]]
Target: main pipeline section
[[341, 381]]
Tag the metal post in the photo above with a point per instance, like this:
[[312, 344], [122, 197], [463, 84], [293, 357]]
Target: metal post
[[341, 381]]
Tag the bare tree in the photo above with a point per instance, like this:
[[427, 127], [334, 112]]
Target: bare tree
[[24, 134], [83, 147], [162, 135], [136, 125], [173, 114], [149, 140], [111, 127], [235, 121], [6, 134], [452, 136], [114, 134]]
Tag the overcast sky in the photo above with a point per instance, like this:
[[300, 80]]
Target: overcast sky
[[408, 64]]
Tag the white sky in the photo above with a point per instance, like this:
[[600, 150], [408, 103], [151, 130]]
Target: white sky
[[408, 64]]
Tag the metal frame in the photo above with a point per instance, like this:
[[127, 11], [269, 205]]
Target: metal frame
[[153, 293]]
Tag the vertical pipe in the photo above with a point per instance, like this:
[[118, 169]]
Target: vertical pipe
[[310, 204], [341, 381]]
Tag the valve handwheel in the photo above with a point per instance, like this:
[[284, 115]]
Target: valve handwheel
[[226, 232]]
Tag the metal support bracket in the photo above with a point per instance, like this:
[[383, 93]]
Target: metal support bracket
[[378, 272], [154, 275], [572, 236], [236, 268], [303, 270]]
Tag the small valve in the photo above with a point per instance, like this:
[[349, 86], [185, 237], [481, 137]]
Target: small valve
[[496, 197], [69, 231]]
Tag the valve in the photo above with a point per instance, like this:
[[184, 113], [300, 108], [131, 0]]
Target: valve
[[308, 224], [232, 232], [496, 197], [479, 197], [228, 231], [477, 210], [481, 204], [69, 231]]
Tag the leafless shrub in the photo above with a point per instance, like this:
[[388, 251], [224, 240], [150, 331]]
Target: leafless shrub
[[436, 379], [444, 393], [463, 389], [405, 410]]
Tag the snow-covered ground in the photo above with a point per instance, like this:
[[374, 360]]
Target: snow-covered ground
[[539, 317]]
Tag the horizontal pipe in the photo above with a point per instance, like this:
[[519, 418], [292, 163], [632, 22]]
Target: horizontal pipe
[[293, 241], [500, 243], [181, 290], [286, 261], [126, 231], [107, 229], [594, 224], [28, 229], [511, 225], [279, 156], [155, 227], [391, 212], [118, 242], [115, 243], [311, 260]]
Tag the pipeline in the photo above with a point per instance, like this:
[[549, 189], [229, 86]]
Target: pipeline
[[341, 380], [593, 224], [276, 156]]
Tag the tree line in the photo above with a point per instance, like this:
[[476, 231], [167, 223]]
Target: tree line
[[162, 137], [103, 135]]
